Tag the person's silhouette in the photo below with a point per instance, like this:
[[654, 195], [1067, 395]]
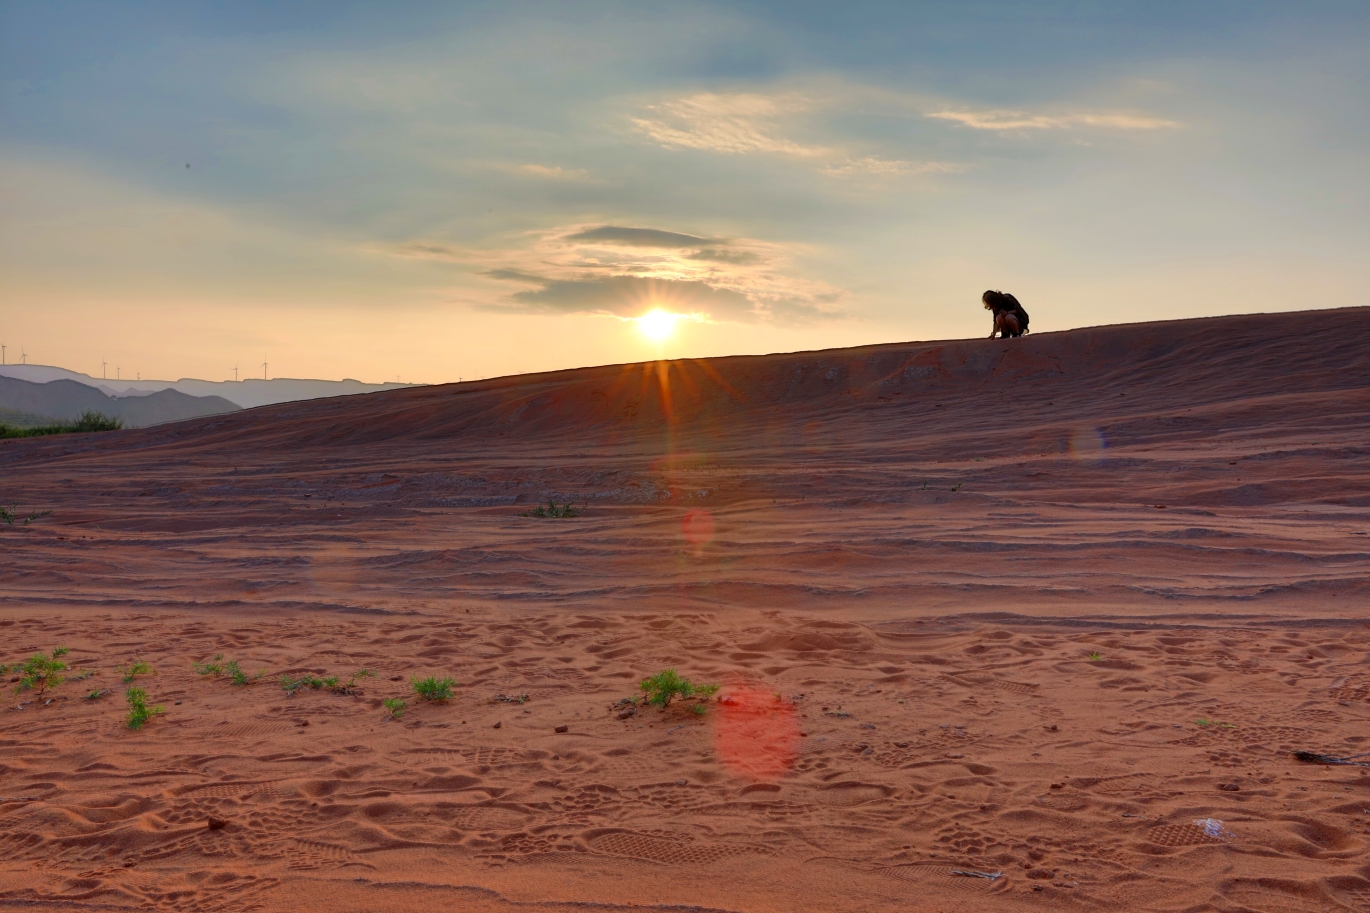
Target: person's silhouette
[[1009, 317]]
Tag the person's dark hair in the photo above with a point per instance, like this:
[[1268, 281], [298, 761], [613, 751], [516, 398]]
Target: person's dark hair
[[997, 301]]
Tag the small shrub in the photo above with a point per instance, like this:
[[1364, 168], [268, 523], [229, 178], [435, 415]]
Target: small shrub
[[236, 676], [350, 686], [1096, 656], [291, 685], [433, 689], [394, 707], [97, 694], [135, 669], [212, 667], [558, 511], [90, 420], [1204, 721], [231, 669], [332, 683], [138, 710], [41, 672], [663, 687], [9, 514]]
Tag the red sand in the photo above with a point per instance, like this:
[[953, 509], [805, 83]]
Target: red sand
[[898, 560]]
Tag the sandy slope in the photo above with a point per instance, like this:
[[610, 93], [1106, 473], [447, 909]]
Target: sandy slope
[[897, 559]]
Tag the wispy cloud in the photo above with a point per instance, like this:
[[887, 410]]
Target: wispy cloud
[[554, 172], [756, 124], [621, 296], [625, 271], [637, 237], [1018, 120]]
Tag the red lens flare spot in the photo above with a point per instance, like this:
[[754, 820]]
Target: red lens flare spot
[[697, 527], [756, 734]]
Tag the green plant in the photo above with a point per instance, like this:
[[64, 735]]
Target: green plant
[[332, 683], [666, 685], [1096, 656], [97, 694], [1204, 721], [10, 514], [235, 673], [41, 672], [138, 710], [559, 511], [212, 667], [90, 420], [394, 706], [236, 676], [433, 689], [135, 669]]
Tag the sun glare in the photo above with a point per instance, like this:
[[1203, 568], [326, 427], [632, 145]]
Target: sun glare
[[657, 324]]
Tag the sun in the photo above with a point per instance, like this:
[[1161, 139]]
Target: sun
[[657, 324]]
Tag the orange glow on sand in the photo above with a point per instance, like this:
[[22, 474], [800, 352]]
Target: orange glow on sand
[[756, 733]]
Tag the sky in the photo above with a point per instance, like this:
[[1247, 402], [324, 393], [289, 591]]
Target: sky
[[435, 191]]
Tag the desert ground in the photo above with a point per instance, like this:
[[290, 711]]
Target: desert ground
[[1054, 610]]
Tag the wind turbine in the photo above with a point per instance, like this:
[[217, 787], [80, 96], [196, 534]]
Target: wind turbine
[[23, 356], [118, 373], [104, 375], [263, 367], [235, 373], [2, 353]]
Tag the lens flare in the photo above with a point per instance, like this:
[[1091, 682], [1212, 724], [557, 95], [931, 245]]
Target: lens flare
[[657, 324], [1087, 444], [698, 527], [756, 733]]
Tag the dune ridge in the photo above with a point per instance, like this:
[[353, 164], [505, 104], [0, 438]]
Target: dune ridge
[[1042, 609]]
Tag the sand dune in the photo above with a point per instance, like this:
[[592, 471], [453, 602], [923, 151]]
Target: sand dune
[[1058, 608]]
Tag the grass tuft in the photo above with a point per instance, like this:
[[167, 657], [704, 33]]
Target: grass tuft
[[394, 707], [230, 669], [212, 667], [433, 689], [1095, 656], [332, 683], [135, 669], [667, 685], [90, 420], [41, 672], [9, 514], [553, 509], [138, 710]]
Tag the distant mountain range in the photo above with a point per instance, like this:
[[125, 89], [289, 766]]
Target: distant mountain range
[[244, 393], [26, 404]]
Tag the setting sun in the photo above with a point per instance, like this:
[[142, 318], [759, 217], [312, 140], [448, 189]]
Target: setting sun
[[657, 324]]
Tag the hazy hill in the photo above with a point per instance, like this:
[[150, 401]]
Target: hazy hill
[[22, 402], [245, 393]]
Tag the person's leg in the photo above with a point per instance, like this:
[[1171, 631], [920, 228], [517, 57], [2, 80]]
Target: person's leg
[[1007, 325]]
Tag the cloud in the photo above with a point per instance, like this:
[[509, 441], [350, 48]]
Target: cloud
[[625, 271], [893, 167], [751, 124], [622, 296], [736, 257], [734, 124], [638, 237], [555, 172], [1018, 120]]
